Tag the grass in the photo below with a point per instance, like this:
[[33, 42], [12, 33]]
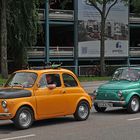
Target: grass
[[2, 81], [93, 78]]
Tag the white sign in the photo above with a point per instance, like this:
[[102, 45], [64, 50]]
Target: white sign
[[112, 48], [116, 30]]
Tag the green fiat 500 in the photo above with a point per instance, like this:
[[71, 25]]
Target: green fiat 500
[[122, 91]]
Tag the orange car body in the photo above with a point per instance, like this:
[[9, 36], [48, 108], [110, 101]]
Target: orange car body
[[45, 102]]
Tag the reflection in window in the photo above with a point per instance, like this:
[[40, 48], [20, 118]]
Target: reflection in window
[[69, 81]]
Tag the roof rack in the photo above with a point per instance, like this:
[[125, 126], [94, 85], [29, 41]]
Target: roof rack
[[46, 66]]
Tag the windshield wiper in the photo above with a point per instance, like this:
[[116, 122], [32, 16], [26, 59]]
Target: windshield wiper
[[17, 84]]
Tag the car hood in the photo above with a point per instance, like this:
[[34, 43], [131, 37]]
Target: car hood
[[14, 93], [119, 85]]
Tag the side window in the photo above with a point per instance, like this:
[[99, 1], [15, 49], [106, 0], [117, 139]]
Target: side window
[[48, 79], [69, 81]]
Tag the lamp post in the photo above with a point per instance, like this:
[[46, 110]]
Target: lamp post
[[47, 42]]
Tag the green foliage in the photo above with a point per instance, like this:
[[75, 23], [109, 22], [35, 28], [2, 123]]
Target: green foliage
[[22, 28], [136, 5]]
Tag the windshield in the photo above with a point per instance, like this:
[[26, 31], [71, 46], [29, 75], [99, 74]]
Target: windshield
[[126, 74], [22, 79]]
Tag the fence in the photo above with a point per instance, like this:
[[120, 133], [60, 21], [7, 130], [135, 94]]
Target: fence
[[93, 70]]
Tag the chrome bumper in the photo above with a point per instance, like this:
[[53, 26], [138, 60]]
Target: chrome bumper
[[110, 101], [5, 114]]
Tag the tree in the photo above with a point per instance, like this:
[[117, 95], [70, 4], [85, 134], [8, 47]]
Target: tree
[[136, 5], [3, 35], [103, 7], [22, 29], [18, 27]]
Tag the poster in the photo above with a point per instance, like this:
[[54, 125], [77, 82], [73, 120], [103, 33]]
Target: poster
[[116, 30]]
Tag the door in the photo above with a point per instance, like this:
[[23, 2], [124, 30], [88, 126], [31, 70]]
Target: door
[[73, 92], [50, 102]]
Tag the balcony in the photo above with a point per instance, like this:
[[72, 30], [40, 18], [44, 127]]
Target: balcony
[[134, 51], [39, 52], [134, 18], [61, 51], [57, 14]]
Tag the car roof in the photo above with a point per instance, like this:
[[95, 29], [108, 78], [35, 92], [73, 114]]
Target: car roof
[[131, 67], [51, 70]]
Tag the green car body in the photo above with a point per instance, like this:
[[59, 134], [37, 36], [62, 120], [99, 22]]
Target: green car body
[[122, 91]]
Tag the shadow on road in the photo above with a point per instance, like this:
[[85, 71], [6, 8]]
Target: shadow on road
[[110, 112], [54, 121], [7, 128]]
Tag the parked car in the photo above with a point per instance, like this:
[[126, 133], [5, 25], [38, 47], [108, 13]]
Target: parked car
[[31, 95], [122, 91]]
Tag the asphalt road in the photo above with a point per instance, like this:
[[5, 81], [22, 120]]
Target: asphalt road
[[114, 124]]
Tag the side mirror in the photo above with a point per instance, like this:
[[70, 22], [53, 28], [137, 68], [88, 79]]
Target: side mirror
[[51, 86]]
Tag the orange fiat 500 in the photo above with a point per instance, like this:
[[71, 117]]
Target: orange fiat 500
[[31, 95]]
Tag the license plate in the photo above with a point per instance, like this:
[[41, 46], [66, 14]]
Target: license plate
[[105, 104]]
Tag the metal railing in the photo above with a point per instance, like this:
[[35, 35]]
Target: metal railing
[[134, 18], [41, 14], [39, 52], [62, 51], [36, 52], [134, 51], [57, 14]]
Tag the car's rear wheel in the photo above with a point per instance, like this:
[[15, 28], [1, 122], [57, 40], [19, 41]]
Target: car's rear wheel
[[134, 105], [99, 109], [23, 118], [82, 111]]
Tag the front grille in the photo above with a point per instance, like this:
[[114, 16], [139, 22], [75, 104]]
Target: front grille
[[107, 95]]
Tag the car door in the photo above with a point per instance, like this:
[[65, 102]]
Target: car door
[[72, 91], [50, 102]]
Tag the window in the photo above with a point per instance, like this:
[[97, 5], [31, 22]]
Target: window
[[50, 79], [69, 81]]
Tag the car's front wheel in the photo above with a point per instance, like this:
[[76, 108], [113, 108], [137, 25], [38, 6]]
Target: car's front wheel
[[23, 118], [82, 111], [134, 105], [99, 109]]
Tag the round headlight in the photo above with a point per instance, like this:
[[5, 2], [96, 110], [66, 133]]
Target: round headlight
[[120, 93], [4, 104], [95, 92]]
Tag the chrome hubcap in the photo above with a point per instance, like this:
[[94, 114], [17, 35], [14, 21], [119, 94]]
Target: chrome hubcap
[[83, 111], [25, 118], [135, 104]]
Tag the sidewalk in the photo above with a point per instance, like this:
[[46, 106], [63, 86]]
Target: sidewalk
[[91, 86]]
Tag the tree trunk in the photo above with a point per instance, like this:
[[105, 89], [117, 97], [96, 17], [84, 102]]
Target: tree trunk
[[102, 48], [102, 43], [4, 65]]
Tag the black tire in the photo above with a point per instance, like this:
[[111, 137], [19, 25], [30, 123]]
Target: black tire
[[82, 112], [99, 109], [133, 105], [21, 120]]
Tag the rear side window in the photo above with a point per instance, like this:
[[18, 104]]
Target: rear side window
[[69, 81]]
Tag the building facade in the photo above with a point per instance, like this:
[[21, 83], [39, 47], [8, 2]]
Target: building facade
[[61, 33]]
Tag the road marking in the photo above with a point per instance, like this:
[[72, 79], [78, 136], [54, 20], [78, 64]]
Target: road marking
[[133, 119], [19, 137]]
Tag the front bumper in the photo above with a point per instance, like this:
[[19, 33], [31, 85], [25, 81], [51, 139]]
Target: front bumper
[[5, 115], [115, 103]]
